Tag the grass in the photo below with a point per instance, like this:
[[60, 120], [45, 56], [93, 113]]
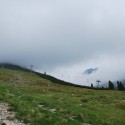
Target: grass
[[38, 101]]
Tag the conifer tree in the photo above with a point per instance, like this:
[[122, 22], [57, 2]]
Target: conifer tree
[[120, 86], [110, 85], [91, 85]]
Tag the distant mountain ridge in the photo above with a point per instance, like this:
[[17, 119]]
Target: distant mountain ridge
[[13, 66], [45, 76]]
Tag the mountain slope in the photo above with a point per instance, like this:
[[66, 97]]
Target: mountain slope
[[39, 101], [45, 76]]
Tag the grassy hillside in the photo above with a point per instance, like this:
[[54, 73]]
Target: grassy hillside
[[40, 101], [45, 76]]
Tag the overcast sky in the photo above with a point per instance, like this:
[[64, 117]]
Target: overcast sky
[[65, 37]]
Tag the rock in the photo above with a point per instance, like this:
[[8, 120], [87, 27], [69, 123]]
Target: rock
[[7, 116], [52, 110]]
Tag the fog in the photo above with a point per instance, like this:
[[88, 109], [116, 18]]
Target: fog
[[65, 37]]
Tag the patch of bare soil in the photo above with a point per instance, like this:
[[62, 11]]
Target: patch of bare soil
[[8, 117]]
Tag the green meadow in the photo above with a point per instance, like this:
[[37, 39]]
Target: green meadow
[[38, 101]]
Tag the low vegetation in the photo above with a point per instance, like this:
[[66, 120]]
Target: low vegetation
[[38, 101]]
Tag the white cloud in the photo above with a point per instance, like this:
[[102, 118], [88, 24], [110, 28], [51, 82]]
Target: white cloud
[[109, 68], [58, 34]]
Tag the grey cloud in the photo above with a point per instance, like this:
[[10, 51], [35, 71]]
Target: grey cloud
[[90, 71], [60, 33]]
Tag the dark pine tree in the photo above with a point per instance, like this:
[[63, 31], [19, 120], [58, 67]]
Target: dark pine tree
[[120, 86], [111, 85], [91, 85]]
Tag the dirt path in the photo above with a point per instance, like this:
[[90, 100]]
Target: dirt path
[[7, 117]]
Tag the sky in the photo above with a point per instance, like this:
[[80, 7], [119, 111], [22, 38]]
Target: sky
[[65, 37]]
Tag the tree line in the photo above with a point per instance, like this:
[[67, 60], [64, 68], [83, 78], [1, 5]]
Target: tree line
[[111, 86], [119, 86]]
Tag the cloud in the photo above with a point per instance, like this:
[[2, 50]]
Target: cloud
[[55, 34], [90, 71]]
